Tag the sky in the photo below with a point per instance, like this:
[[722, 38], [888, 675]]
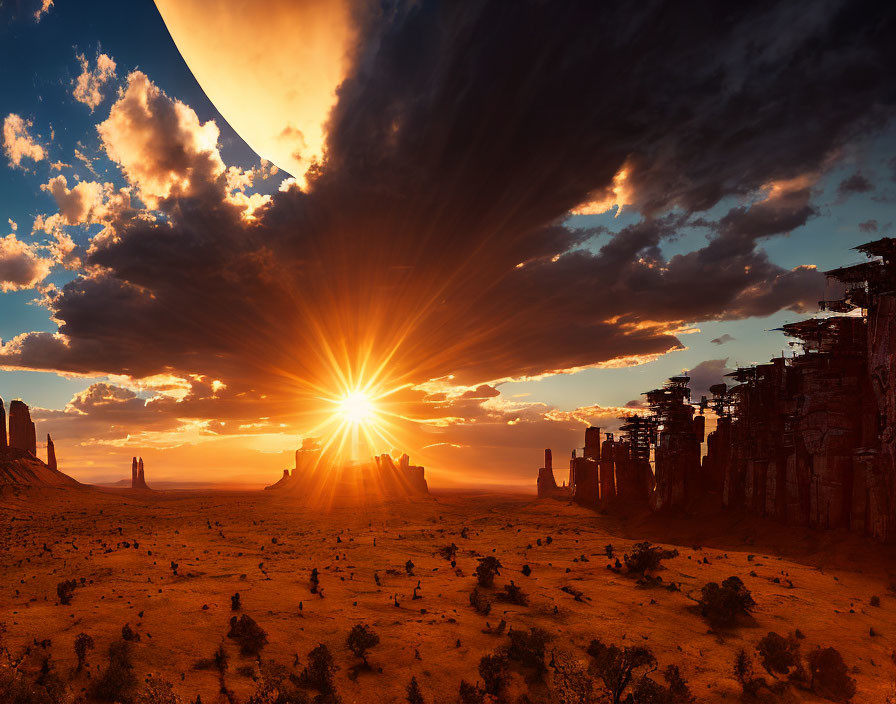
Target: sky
[[486, 226]]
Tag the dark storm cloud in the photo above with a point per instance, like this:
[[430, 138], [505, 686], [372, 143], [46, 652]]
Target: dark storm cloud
[[857, 183], [463, 136]]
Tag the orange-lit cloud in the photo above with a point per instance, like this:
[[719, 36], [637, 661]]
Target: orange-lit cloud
[[18, 142]]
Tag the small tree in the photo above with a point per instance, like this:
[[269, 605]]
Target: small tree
[[829, 675], [528, 648], [721, 605], [778, 654], [118, 681], [571, 683], [512, 594], [480, 602], [360, 639], [320, 670], [646, 557], [65, 591], [743, 672], [83, 643], [617, 666], [248, 634], [493, 671], [415, 696], [487, 569]]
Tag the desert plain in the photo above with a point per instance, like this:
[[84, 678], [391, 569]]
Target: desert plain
[[167, 564]]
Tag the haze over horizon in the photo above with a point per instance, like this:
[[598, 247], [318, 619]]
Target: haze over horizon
[[466, 232]]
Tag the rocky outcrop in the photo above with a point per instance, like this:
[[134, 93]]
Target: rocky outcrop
[[19, 466], [547, 484], [321, 477], [51, 454], [808, 439], [21, 429], [138, 480]]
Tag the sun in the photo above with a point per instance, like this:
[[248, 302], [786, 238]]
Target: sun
[[356, 408]]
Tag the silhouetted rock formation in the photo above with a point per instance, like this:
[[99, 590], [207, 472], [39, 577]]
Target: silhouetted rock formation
[[547, 485], [320, 477], [138, 481], [21, 429], [51, 453], [19, 466], [808, 439]]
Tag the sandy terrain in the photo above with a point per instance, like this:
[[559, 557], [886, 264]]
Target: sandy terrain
[[264, 547]]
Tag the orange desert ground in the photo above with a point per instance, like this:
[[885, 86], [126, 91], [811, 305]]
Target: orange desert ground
[[123, 549]]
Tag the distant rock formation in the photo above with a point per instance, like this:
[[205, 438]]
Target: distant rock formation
[[138, 480], [318, 476], [51, 453], [19, 465], [547, 484], [808, 440]]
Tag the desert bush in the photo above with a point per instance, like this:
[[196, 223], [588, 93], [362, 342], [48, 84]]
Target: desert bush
[[743, 673], [616, 666], [16, 688], [83, 643], [118, 682], [778, 654], [65, 590], [512, 594], [646, 557], [157, 691], [449, 552], [414, 695], [829, 676], [648, 691], [129, 634], [480, 601], [248, 634], [721, 605], [470, 693], [571, 683], [276, 686], [409, 568], [361, 639], [493, 671], [319, 672], [528, 648], [487, 569], [235, 604]]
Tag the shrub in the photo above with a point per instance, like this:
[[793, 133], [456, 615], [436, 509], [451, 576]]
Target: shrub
[[235, 604], [617, 666], [721, 605], [480, 602], [527, 648], [65, 591], [487, 569], [415, 696], [470, 693], [512, 594], [319, 672], [129, 634], [493, 671], [83, 643], [778, 654], [361, 639], [646, 557], [449, 552], [248, 634], [829, 676], [571, 684], [276, 686], [118, 681], [743, 672], [157, 691]]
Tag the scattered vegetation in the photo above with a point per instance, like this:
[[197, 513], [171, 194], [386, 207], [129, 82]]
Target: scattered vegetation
[[118, 682], [645, 557], [721, 605], [778, 654], [617, 667], [248, 634], [512, 594], [487, 569], [829, 676], [157, 691], [493, 671], [65, 590], [319, 672], [528, 648], [480, 601], [361, 639], [83, 643]]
